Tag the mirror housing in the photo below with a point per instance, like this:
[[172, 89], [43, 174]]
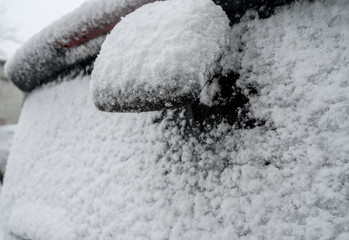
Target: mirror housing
[[160, 56]]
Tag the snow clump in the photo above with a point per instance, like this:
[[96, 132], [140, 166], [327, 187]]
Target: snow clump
[[160, 56]]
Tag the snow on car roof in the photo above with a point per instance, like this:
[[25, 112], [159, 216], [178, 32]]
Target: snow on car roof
[[48, 53], [133, 176], [160, 55]]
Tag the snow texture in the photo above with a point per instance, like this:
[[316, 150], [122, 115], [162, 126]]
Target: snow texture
[[43, 57], [41, 222], [160, 55], [6, 135], [133, 176]]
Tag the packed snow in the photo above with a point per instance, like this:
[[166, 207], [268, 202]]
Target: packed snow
[[98, 175], [43, 57], [160, 55]]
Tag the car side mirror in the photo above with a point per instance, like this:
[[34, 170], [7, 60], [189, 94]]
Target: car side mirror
[[160, 56]]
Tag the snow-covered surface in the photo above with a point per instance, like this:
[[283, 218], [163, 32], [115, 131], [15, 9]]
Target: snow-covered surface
[[6, 135], [126, 176], [160, 55], [42, 56], [41, 222]]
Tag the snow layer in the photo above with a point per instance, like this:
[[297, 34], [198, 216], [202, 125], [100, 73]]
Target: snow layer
[[43, 57], [41, 222], [133, 176], [160, 55]]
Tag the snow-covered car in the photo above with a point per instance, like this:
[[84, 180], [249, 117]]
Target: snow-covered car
[[183, 119]]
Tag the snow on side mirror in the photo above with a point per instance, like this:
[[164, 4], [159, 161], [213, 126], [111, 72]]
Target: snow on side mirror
[[160, 56]]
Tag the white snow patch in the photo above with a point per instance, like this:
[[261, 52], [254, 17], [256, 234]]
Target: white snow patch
[[160, 55], [40, 222]]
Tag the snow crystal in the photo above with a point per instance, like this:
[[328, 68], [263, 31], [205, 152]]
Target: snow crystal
[[160, 55], [142, 176], [43, 57]]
